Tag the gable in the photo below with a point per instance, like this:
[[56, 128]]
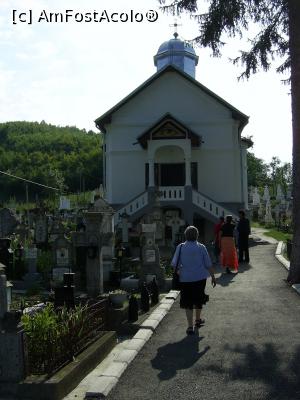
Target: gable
[[169, 128], [106, 118]]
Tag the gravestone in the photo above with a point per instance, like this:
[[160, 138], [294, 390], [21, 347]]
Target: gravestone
[[12, 362], [268, 216], [125, 225], [32, 276], [150, 258], [256, 198], [79, 251], [62, 256], [107, 232], [176, 224], [94, 266], [41, 230], [93, 249], [266, 196], [157, 218], [8, 222]]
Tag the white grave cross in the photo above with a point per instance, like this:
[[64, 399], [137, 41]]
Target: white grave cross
[[175, 223]]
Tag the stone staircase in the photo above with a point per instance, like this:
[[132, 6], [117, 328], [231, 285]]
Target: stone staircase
[[205, 205]]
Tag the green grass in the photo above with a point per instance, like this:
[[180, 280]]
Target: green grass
[[280, 236], [273, 232], [256, 225]]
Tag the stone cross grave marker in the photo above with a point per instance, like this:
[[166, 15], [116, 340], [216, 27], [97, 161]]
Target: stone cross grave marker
[[256, 197], [150, 257], [125, 225], [175, 223]]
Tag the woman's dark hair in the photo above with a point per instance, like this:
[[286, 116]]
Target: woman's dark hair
[[228, 219], [191, 233]]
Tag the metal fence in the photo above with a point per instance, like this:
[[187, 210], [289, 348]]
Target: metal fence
[[56, 348]]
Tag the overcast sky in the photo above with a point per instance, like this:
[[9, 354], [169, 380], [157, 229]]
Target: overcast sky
[[72, 72]]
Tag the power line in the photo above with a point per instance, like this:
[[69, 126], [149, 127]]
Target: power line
[[27, 180]]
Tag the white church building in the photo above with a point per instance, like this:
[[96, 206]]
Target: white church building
[[175, 145]]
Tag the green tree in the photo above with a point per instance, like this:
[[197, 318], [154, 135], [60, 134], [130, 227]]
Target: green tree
[[279, 35], [280, 174], [49, 155], [257, 171]]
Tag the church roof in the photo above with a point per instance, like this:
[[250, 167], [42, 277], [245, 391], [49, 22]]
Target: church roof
[[106, 117]]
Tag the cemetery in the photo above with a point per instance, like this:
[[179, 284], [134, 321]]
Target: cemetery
[[74, 278], [72, 281]]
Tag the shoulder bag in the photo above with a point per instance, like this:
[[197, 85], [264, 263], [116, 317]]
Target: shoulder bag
[[175, 277]]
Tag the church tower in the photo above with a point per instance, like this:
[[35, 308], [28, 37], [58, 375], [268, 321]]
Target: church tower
[[178, 53]]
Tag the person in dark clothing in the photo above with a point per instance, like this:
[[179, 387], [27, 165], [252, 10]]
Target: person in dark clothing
[[244, 231]]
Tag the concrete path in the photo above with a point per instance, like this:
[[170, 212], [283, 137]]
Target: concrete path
[[248, 349]]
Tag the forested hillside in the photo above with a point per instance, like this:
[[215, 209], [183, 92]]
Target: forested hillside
[[70, 158], [56, 156]]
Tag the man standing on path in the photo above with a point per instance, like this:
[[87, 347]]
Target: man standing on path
[[243, 229]]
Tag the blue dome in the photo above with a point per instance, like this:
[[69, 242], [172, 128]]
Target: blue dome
[[175, 45], [178, 53]]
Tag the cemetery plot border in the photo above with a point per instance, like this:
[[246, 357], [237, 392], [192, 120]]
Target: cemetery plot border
[[48, 354]]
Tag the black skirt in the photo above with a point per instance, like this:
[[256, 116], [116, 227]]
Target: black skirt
[[192, 294]]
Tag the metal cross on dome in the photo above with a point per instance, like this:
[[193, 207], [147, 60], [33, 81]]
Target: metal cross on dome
[[175, 25]]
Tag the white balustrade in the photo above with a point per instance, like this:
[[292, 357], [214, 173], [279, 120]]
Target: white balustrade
[[210, 206], [174, 193], [171, 193], [132, 207]]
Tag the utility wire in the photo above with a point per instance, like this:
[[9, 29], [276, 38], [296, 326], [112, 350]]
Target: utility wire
[[27, 180]]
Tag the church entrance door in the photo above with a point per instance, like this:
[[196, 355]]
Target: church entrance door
[[171, 174]]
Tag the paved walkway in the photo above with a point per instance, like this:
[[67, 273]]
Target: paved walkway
[[249, 348]]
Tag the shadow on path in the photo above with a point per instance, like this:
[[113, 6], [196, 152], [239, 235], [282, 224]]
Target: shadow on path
[[267, 366], [225, 279], [244, 267], [177, 356], [258, 242]]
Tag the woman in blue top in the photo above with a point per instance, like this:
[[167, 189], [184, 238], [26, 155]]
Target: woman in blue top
[[194, 267]]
